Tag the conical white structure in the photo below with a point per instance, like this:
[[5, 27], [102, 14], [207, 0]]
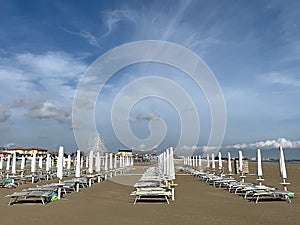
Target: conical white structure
[[98, 162], [60, 161], [220, 161], [172, 168], [229, 164], [22, 167], [241, 167], [69, 162], [91, 162], [78, 164], [207, 160], [33, 162], [1, 163], [14, 161], [259, 167], [282, 167], [213, 164], [8, 163]]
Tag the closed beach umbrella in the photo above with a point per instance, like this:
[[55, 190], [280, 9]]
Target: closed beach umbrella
[[115, 162], [78, 163], [220, 161], [241, 162], [172, 168], [259, 167], [91, 162], [110, 161], [69, 162], [14, 161], [33, 162], [282, 167], [213, 164], [207, 160], [1, 162], [48, 162], [22, 163], [98, 162], [8, 162], [200, 163], [106, 162], [60, 162], [41, 162], [229, 163]]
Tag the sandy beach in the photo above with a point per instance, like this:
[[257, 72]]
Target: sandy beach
[[196, 202]]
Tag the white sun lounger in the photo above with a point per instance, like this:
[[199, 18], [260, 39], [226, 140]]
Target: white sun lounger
[[150, 193], [284, 195], [44, 196]]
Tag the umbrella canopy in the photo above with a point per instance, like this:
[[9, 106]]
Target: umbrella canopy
[[259, 166], [60, 161], [110, 161], [33, 162], [91, 162], [40, 162], [172, 168], [241, 162], [229, 163], [98, 162], [106, 162], [199, 161], [78, 164], [115, 162], [207, 159], [14, 161], [1, 163], [69, 162], [48, 162], [213, 164], [220, 161], [283, 173], [8, 162], [22, 163]]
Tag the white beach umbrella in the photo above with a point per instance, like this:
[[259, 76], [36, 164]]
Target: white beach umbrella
[[229, 164], [91, 162], [259, 167], [98, 162], [168, 162], [110, 161], [60, 162], [14, 161], [196, 161], [207, 160], [282, 167], [241, 170], [33, 162], [78, 167], [220, 161], [69, 162], [200, 163], [40, 162], [165, 163], [86, 162], [8, 162], [1, 162], [22, 167], [81, 162], [115, 161], [106, 162], [48, 163], [172, 168], [213, 164]]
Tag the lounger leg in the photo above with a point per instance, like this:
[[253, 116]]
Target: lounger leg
[[167, 199], [257, 199], [135, 200]]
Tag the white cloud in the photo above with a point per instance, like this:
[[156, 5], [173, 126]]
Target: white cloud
[[150, 116], [9, 145], [91, 39], [275, 77], [283, 142]]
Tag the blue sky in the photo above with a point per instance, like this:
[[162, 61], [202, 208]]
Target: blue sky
[[252, 47]]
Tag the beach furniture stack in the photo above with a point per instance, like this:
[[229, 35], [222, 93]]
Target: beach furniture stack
[[251, 191]]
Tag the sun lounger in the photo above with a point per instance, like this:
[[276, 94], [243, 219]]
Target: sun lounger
[[284, 195], [151, 193], [44, 196]]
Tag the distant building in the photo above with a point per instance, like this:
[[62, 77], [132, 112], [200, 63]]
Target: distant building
[[28, 151], [124, 152]]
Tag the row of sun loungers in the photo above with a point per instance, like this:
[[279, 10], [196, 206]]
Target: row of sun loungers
[[152, 185], [251, 191]]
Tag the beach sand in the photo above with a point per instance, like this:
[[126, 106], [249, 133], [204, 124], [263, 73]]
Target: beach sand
[[196, 202]]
